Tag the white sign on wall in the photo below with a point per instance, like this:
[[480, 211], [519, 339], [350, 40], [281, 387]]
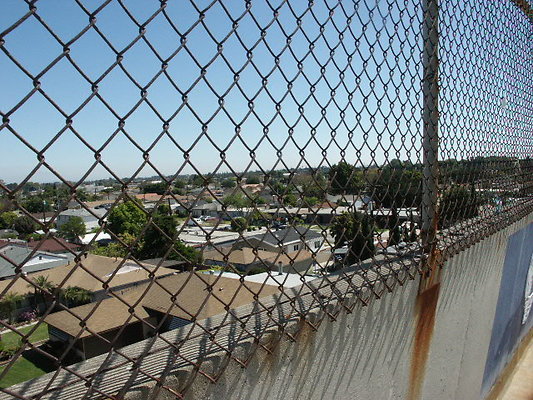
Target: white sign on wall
[[528, 293]]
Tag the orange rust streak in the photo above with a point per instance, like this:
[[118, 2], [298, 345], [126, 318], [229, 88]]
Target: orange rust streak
[[426, 310]]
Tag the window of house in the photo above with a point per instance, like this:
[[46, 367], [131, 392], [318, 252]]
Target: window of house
[[296, 247]]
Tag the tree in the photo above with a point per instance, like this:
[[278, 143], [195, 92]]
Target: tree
[[259, 218], [8, 304], [457, 204], [252, 180], [395, 235], [117, 249], [398, 185], [255, 200], [239, 224], [310, 201], [37, 205], [345, 179], [228, 183], [127, 217], [107, 191], [290, 200], [160, 237], [76, 296], [197, 180], [312, 185], [7, 219], [24, 225], [42, 287], [356, 231], [72, 229], [159, 188], [180, 184], [236, 200]]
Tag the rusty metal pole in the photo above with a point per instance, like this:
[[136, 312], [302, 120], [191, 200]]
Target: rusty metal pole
[[430, 118], [429, 287]]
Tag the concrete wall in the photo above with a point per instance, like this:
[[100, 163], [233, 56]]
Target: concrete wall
[[377, 352]]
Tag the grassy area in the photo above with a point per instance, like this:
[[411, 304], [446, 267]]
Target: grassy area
[[22, 370], [11, 339], [30, 364]]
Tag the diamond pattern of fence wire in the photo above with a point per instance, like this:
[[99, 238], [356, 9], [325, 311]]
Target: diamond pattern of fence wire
[[200, 173]]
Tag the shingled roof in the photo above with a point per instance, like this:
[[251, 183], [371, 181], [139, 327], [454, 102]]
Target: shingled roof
[[287, 235], [200, 296]]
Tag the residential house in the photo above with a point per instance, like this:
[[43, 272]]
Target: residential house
[[195, 299], [286, 240], [96, 274], [242, 259], [102, 328], [359, 202], [90, 219], [54, 245], [198, 297], [203, 208], [247, 259], [15, 254]]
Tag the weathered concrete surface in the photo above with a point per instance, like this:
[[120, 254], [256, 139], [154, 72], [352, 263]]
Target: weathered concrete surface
[[367, 354]]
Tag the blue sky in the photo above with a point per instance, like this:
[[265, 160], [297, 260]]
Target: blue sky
[[382, 105]]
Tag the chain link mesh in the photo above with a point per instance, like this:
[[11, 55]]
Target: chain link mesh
[[255, 163]]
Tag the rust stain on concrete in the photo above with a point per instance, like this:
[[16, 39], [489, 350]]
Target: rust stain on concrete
[[426, 310]]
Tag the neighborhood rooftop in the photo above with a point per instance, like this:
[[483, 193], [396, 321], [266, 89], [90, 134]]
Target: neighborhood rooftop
[[91, 273], [287, 236]]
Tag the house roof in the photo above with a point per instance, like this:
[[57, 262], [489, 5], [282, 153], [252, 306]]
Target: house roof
[[81, 212], [287, 235], [8, 242], [201, 296], [110, 314], [284, 279], [20, 254], [246, 256], [193, 298], [243, 256], [101, 268], [47, 215], [164, 263], [57, 245], [154, 197]]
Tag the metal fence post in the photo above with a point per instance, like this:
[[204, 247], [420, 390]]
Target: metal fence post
[[430, 118]]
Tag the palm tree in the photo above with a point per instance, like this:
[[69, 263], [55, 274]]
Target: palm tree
[[75, 296], [42, 286], [9, 303]]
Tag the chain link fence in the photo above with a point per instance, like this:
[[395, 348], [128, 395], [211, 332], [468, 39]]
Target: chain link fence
[[178, 177]]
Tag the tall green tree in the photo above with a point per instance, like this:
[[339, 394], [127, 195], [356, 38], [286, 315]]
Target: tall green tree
[[160, 236], [239, 224], [228, 183], [236, 200], [37, 204], [7, 219], [395, 234], [8, 304], [253, 179], [345, 179], [356, 231], [75, 296], [127, 217], [458, 203], [72, 229], [398, 185], [159, 188], [42, 288], [24, 225]]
